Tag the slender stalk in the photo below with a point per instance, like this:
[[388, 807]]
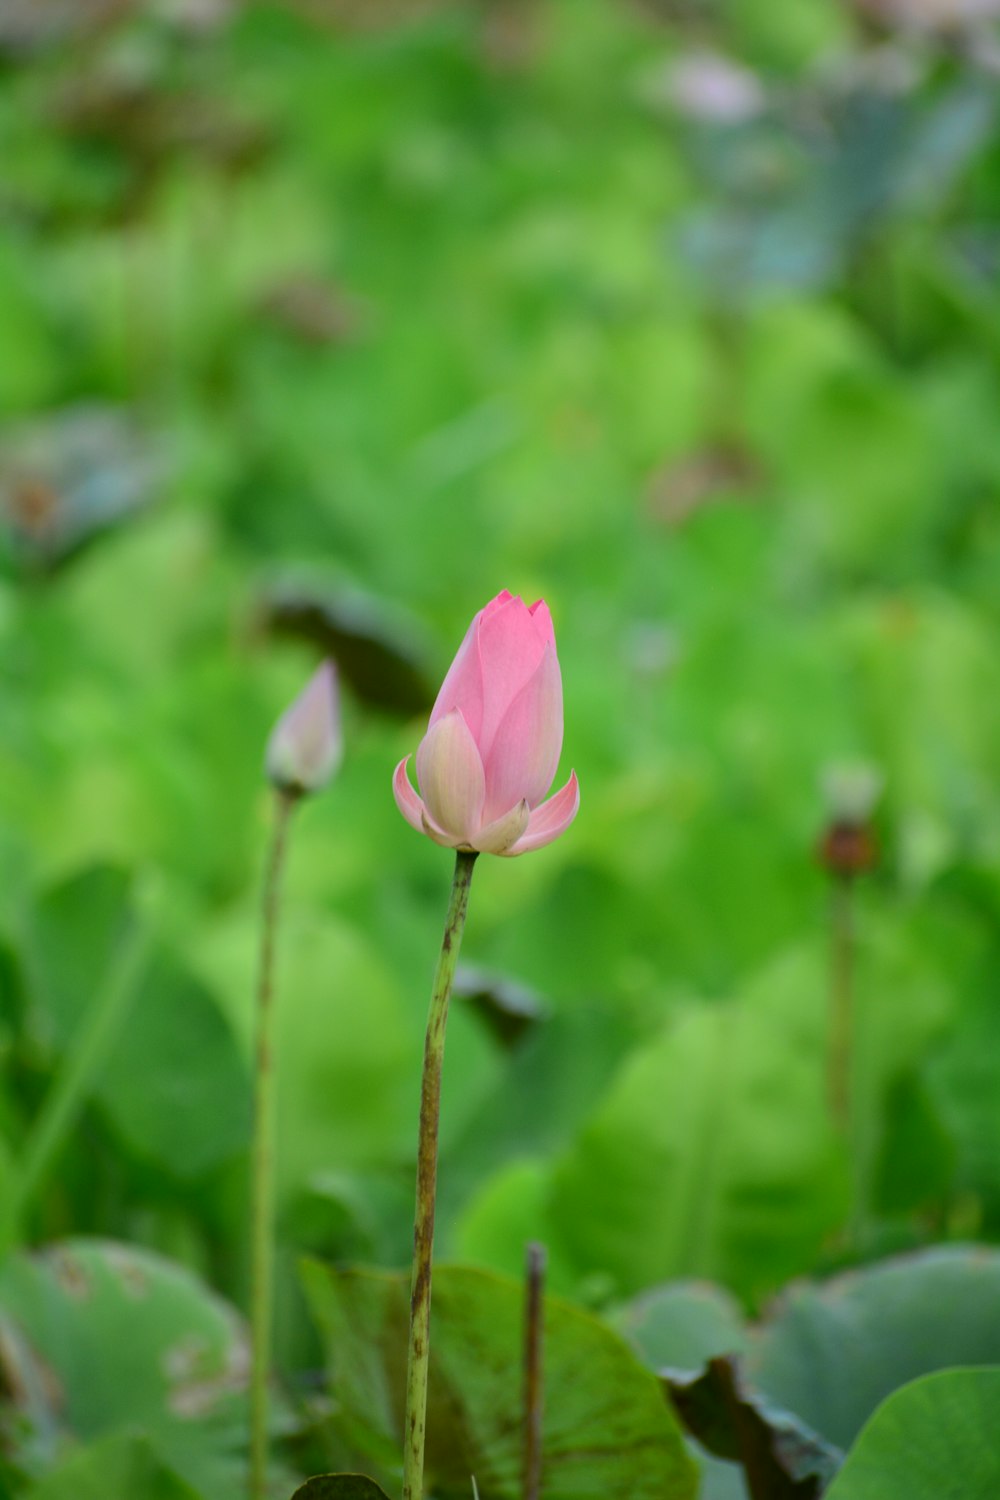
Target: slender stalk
[[262, 1183], [841, 1001], [423, 1226], [90, 1046], [533, 1389]]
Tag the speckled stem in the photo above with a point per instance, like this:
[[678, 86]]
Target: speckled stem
[[262, 1182], [423, 1228]]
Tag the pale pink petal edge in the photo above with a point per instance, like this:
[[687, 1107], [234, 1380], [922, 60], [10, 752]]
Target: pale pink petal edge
[[409, 804], [550, 820], [413, 809]]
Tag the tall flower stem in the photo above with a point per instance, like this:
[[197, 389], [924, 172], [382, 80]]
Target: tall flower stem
[[841, 1001], [533, 1333], [262, 1183], [423, 1226]]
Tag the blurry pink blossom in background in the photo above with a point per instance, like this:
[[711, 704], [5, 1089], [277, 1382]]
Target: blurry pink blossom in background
[[306, 745], [493, 741]]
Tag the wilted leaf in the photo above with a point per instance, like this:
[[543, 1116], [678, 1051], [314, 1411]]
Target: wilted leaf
[[371, 651], [68, 477], [315, 311], [103, 1338], [508, 1009], [25, 25], [782, 1460]]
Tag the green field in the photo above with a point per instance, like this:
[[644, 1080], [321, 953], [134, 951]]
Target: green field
[[320, 324]]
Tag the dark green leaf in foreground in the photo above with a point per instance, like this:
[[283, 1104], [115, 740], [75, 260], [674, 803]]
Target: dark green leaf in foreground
[[340, 1487], [781, 1459], [831, 1353], [123, 1465], [607, 1430], [936, 1439], [101, 1338]]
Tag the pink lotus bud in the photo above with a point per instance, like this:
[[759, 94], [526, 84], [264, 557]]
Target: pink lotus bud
[[493, 741], [305, 745]]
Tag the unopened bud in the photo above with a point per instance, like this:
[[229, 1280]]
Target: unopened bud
[[851, 791], [305, 747]]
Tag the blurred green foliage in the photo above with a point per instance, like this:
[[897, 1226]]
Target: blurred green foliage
[[682, 316]]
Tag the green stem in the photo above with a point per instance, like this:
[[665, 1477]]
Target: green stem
[[90, 1045], [533, 1329], [423, 1227], [841, 1001], [262, 1182]]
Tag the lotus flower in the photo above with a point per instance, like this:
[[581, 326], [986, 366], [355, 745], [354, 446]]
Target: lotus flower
[[493, 741], [305, 745]]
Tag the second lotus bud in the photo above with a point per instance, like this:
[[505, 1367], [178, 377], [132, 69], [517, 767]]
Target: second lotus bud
[[306, 745]]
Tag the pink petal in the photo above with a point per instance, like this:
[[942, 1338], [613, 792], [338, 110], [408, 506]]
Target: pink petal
[[511, 646], [497, 837], [539, 612], [451, 777], [550, 820], [407, 800], [463, 685], [495, 603], [524, 755]]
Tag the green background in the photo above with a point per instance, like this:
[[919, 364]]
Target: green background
[[387, 308]]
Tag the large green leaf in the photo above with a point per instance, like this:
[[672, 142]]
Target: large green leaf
[[937, 1437], [76, 926], [832, 1352], [123, 1464], [103, 1338], [176, 1086], [542, 1095], [348, 1072], [712, 1154], [964, 1075], [173, 1082], [606, 1429]]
